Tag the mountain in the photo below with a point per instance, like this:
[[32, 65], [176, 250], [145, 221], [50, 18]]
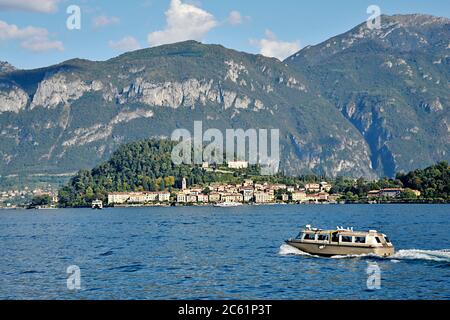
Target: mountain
[[73, 115], [392, 84], [6, 67], [365, 103]]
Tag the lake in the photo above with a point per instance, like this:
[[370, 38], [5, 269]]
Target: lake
[[219, 253]]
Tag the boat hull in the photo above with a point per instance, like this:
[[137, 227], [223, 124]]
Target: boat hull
[[330, 250]]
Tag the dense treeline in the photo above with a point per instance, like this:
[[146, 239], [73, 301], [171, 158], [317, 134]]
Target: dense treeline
[[147, 166], [433, 182]]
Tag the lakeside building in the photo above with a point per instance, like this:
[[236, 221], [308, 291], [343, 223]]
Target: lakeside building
[[299, 196], [373, 194], [137, 197], [164, 196], [247, 193], [214, 197], [389, 193], [181, 197], [321, 197], [303, 197], [232, 197], [264, 197], [203, 198], [191, 198]]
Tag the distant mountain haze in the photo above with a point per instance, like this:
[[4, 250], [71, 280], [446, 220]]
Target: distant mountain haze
[[365, 103]]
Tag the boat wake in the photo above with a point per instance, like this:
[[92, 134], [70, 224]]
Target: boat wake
[[401, 255], [287, 250], [428, 255]]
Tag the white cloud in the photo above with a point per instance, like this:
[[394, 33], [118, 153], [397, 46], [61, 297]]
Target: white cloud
[[43, 44], [104, 21], [125, 44], [12, 32], [274, 48], [43, 6], [184, 22], [33, 39], [236, 18]]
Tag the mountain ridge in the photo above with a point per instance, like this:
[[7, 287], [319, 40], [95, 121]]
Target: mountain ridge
[[51, 117]]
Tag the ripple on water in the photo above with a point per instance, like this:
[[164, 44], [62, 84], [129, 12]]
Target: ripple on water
[[131, 268], [31, 272], [107, 253]]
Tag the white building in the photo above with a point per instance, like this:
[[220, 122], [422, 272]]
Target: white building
[[137, 197], [238, 164], [203, 198], [164, 196], [312, 187], [248, 194], [118, 197], [299, 196], [181, 197]]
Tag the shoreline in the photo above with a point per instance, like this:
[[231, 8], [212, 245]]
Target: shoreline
[[242, 205]]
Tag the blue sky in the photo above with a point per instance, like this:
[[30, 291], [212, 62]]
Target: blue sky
[[33, 33]]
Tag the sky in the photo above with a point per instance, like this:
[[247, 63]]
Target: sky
[[39, 33]]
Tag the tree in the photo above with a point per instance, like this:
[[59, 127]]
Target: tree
[[169, 181], [41, 201], [207, 191], [89, 193]]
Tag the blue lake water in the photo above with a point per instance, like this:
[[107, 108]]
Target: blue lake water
[[218, 253]]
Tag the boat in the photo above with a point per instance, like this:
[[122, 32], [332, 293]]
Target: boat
[[97, 204], [342, 242], [228, 204]]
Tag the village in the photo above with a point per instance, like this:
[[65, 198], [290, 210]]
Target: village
[[17, 198], [248, 192]]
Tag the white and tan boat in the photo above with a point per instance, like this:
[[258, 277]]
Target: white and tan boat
[[342, 242], [228, 204]]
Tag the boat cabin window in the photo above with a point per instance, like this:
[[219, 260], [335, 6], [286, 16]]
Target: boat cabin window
[[309, 236], [360, 239], [378, 239], [387, 239], [322, 237], [346, 239], [335, 237]]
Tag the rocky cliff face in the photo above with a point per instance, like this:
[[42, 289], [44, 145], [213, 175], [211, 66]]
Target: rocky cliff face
[[12, 98], [361, 104], [62, 89]]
